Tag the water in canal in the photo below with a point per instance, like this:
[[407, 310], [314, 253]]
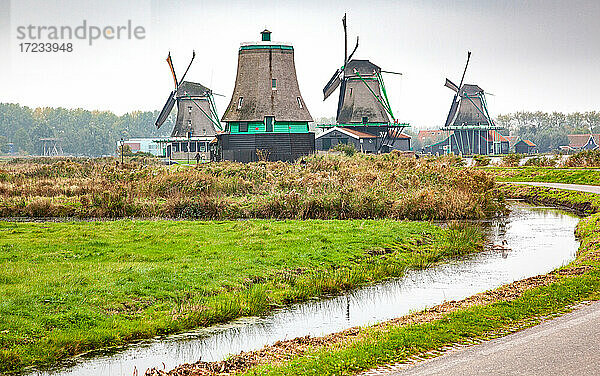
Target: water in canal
[[541, 240]]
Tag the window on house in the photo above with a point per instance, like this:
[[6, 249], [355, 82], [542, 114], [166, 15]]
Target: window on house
[[189, 123], [365, 120], [202, 147], [193, 147], [189, 109], [274, 84], [299, 102], [204, 131], [184, 147], [240, 101], [175, 147], [350, 91], [243, 126]]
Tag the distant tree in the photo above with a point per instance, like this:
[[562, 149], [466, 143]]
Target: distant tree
[[549, 130], [81, 132]]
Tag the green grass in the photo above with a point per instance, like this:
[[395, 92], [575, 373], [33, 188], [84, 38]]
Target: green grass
[[68, 288], [547, 174], [398, 344], [582, 202]]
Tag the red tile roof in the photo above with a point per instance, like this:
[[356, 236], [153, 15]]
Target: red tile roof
[[494, 136], [428, 134], [395, 133], [359, 133], [529, 143]]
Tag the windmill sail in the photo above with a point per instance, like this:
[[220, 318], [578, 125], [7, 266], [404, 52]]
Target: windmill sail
[[166, 111], [451, 85], [333, 84], [453, 110]]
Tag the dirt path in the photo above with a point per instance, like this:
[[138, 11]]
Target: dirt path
[[571, 187]]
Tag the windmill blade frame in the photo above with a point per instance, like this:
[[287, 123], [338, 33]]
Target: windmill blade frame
[[353, 51], [166, 110], [451, 85], [333, 83], [453, 110], [170, 62], [188, 68]]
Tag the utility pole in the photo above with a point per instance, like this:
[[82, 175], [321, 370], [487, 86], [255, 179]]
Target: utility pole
[[122, 146], [189, 134]]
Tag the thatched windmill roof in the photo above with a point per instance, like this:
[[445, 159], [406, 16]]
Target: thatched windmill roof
[[257, 95]]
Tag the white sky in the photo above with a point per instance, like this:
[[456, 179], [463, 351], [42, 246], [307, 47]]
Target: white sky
[[533, 55]]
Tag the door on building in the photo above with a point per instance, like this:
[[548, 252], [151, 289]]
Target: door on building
[[269, 123], [326, 143]]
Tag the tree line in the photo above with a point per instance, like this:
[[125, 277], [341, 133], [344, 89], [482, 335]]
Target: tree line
[[94, 133], [549, 130], [81, 132]]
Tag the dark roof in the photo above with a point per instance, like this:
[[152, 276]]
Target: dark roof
[[192, 89], [470, 90], [363, 67], [577, 141]]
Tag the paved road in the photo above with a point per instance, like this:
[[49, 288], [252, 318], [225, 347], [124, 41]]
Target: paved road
[[568, 345], [571, 187]]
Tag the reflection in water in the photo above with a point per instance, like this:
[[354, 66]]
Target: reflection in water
[[540, 240]]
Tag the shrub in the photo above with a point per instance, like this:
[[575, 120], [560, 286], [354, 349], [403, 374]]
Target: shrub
[[587, 158], [348, 149], [481, 160], [512, 160]]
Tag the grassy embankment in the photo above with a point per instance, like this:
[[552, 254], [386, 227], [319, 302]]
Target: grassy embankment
[[68, 288], [581, 202], [547, 174], [392, 343], [325, 187]]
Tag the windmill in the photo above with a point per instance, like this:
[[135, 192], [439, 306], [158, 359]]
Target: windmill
[[470, 127], [201, 117], [469, 106], [363, 102]]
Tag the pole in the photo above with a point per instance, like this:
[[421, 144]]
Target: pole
[[188, 147], [122, 146]]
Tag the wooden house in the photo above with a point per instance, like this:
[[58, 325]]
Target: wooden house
[[525, 147]]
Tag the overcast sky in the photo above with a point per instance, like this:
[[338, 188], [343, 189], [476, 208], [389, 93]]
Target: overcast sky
[[533, 55]]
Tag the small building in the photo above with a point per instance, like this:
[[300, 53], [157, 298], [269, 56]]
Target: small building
[[396, 141], [525, 147], [144, 145], [363, 142], [580, 142]]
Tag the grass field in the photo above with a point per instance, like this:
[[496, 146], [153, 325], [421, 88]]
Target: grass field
[[71, 287], [399, 343]]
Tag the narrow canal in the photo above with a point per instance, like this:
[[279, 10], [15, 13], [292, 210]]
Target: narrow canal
[[540, 239]]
